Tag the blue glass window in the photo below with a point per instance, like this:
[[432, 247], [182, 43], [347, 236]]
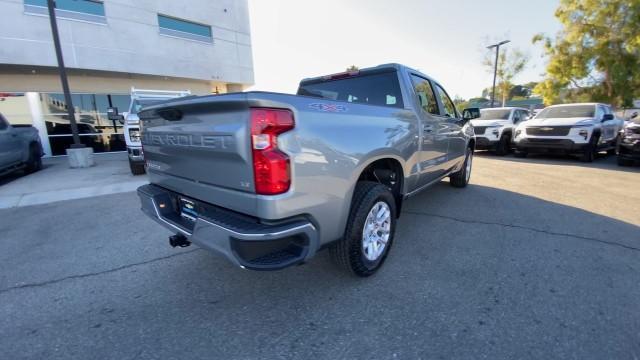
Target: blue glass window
[[183, 28], [91, 7]]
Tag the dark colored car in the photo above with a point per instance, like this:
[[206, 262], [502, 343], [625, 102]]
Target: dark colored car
[[628, 148]]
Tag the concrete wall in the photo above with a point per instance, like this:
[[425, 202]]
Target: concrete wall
[[130, 42], [47, 80]]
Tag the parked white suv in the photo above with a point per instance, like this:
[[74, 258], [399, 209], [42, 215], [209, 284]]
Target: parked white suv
[[494, 128], [583, 129]]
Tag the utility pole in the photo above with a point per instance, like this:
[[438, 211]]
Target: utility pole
[[495, 68], [63, 75]]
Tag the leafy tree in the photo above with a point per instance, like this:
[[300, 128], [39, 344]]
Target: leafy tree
[[596, 55], [460, 103], [510, 64], [353, 68]]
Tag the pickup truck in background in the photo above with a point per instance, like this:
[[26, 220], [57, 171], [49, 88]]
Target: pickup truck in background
[[131, 122], [269, 179], [20, 148]]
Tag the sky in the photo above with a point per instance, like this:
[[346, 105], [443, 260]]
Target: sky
[[295, 39]]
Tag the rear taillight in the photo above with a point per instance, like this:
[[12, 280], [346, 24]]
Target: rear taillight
[[271, 166]]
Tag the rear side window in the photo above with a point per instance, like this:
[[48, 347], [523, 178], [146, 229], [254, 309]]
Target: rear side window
[[382, 89], [425, 94]]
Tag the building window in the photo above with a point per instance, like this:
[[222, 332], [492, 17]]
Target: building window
[[83, 10], [94, 127], [185, 29]]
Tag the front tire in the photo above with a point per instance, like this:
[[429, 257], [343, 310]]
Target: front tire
[[590, 150], [34, 163], [461, 177], [504, 145], [137, 168], [370, 230]]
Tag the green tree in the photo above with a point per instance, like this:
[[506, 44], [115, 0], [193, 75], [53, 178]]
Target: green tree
[[510, 64], [460, 103], [596, 55], [353, 68]]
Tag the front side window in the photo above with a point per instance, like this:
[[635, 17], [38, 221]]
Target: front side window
[[184, 28], [449, 109], [425, 94]]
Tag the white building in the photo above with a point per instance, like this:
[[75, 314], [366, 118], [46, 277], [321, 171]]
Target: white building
[[110, 46]]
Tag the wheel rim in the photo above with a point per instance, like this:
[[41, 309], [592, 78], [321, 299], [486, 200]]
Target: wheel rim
[[377, 230], [469, 161]]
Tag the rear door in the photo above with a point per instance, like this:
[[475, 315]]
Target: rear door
[[432, 136], [453, 125]]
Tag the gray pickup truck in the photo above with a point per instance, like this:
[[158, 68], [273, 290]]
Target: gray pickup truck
[[20, 148], [269, 179]]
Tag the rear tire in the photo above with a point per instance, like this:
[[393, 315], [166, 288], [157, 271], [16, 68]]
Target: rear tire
[[614, 143], [461, 178], [34, 163], [137, 168], [504, 145], [352, 251], [624, 162]]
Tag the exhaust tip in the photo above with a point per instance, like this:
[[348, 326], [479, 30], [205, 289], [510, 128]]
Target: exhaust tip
[[179, 240]]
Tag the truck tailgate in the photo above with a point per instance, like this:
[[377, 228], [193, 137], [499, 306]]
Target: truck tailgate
[[203, 141]]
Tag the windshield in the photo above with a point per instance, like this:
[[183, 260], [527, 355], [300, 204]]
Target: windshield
[[140, 103], [576, 111], [494, 114]]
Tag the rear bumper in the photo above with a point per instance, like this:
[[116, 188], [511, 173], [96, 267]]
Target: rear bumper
[[246, 241], [550, 145]]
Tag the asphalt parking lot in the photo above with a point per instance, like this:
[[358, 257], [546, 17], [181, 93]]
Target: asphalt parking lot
[[538, 258]]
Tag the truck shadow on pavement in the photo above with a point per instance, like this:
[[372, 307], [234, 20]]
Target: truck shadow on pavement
[[468, 268]]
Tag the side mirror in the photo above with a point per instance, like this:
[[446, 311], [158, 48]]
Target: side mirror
[[470, 114], [112, 114], [607, 117]]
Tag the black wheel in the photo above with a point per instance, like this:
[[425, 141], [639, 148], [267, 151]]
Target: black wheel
[[520, 154], [590, 150], [137, 168], [624, 162], [461, 177], [34, 163], [370, 230], [504, 145], [614, 143]]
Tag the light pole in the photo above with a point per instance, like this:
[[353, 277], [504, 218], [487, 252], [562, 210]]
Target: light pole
[[63, 75], [495, 68]]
